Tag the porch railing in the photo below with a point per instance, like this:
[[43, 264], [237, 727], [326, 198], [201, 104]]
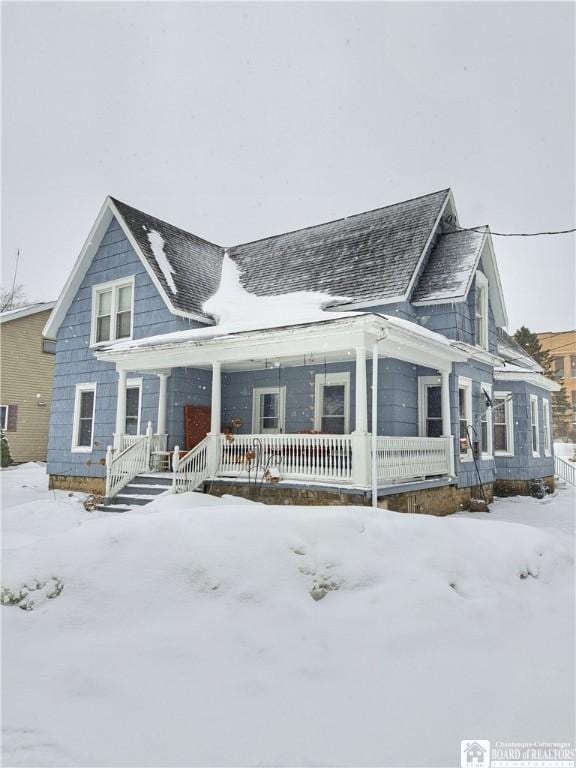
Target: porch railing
[[123, 466], [192, 469], [565, 469], [405, 458], [159, 442], [308, 457]]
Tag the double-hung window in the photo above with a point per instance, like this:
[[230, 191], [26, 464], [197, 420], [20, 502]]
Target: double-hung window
[[486, 436], [269, 409], [573, 396], [502, 419], [465, 416], [481, 311], [133, 406], [534, 425], [4, 417], [83, 426], [430, 401], [558, 367], [332, 403], [573, 366], [546, 426], [112, 305]]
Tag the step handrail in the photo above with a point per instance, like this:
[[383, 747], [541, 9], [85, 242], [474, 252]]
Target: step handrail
[[123, 467], [192, 469], [565, 469]]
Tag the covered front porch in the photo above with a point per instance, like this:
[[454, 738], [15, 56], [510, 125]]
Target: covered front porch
[[300, 404]]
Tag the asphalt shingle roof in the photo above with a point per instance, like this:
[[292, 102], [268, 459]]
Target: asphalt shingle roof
[[371, 255], [197, 263], [368, 256], [450, 266]]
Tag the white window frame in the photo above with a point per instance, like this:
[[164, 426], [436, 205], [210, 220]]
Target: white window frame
[[547, 427], [488, 454], [87, 387], [331, 379], [4, 424], [424, 383], [257, 416], [482, 286], [136, 384], [466, 384], [534, 411], [509, 416], [113, 286]]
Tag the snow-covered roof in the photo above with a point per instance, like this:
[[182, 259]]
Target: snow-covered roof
[[450, 267], [31, 309], [514, 355], [366, 259]]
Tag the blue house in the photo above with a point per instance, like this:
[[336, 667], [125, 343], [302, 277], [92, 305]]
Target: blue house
[[360, 359]]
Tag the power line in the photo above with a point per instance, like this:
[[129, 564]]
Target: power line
[[483, 230]]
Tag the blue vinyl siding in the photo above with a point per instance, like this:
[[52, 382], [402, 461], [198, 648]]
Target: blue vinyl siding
[[76, 363], [523, 465]]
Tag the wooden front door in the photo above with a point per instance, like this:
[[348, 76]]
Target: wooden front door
[[196, 424]]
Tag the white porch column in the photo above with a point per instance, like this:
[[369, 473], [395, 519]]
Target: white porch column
[[120, 409], [360, 438], [374, 440], [216, 402], [162, 394], [361, 395], [215, 419], [446, 422]]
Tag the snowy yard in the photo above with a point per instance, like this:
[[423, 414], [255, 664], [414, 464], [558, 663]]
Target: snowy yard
[[208, 632]]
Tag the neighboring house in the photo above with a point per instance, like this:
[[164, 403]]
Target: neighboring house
[[27, 362], [281, 386], [562, 349]]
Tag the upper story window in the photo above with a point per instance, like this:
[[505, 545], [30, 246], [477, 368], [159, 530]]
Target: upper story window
[[481, 311], [558, 366], [112, 311], [573, 366]]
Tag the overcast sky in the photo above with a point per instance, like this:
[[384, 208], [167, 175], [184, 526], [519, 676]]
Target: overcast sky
[[237, 121]]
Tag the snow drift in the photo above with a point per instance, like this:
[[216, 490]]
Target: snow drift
[[204, 631]]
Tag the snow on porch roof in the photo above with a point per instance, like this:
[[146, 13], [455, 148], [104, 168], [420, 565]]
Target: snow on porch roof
[[397, 338]]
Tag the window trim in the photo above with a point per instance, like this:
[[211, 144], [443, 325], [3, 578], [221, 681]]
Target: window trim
[[136, 384], [509, 416], [535, 453], [482, 284], [84, 387], [114, 286], [331, 379], [466, 384], [424, 382], [547, 427], [489, 454], [256, 416], [4, 425]]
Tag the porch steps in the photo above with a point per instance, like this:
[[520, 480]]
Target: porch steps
[[139, 492]]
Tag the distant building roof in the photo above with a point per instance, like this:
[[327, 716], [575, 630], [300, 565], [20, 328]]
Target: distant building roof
[[31, 309]]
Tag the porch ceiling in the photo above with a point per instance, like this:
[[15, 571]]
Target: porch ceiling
[[306, 344]]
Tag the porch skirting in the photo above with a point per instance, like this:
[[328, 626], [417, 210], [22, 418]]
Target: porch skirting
[[434, 497]]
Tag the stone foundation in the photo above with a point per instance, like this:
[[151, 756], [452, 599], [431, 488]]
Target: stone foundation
[[442, 500], [435, 501], [519, 487], [84, 484]]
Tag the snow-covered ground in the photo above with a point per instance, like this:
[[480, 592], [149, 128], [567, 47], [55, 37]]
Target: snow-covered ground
[[207, 632]]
